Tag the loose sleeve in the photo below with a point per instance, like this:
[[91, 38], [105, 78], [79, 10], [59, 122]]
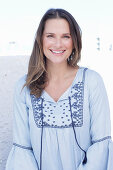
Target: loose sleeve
[[100, 153], [21, 155]]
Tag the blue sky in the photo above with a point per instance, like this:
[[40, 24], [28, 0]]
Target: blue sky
[[19, 20]]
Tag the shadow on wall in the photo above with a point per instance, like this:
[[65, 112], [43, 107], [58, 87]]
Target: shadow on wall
[[11, 69]]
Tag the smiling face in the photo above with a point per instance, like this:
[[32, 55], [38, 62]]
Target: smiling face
[[57, 40]]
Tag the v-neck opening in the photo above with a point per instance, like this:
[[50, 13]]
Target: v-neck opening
[[46, 94]]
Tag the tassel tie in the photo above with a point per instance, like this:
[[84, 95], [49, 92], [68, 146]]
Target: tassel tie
[[85, 159]]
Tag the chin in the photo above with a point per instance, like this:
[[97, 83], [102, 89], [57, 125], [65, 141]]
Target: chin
[[58, 61]]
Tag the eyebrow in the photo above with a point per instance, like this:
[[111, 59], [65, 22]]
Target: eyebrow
[[54, 33]]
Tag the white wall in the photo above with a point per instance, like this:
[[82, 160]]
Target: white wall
[[11, 69]]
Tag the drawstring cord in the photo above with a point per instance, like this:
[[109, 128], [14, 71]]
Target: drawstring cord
[[41, 136], [85, 156]]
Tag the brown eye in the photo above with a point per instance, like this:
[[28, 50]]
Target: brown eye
[[49, 36], [66, 36]]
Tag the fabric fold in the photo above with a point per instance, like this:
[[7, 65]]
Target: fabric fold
[[20, 158], [99, 156]]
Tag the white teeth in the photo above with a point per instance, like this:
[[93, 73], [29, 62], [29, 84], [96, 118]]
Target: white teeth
[[57, 52]]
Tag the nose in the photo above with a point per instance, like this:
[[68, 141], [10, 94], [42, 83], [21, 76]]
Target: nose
[[58, 42]]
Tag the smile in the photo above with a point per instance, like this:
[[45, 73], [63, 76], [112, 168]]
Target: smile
[[57, 52]]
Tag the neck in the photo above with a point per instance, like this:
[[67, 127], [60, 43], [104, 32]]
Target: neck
[[57, 71]]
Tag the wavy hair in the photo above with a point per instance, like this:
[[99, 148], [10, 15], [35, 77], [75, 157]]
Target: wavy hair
[[37, 73]]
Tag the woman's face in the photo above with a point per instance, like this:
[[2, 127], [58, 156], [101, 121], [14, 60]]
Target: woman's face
[[57, 41]]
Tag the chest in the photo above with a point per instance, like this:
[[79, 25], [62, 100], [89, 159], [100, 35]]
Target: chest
[[56, 90], [60, 114]]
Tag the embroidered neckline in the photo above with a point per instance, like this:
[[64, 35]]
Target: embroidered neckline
[[49, 111], [50, 114]]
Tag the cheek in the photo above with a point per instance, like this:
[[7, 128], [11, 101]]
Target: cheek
[[46, 46], [44, 43], [69, 45], [47, 43]]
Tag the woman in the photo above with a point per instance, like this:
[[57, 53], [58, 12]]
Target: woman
[[61, 110]]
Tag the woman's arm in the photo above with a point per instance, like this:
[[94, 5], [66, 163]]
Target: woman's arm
[[98, 154], [21, 155]]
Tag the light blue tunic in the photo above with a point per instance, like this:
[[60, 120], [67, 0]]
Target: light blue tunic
[[60, 135]]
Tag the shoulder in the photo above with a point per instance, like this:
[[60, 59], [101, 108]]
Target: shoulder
[[92, 75], [93, 79], [21, 81], [20, 90]]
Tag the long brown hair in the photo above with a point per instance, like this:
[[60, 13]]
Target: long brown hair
[[37, 73]]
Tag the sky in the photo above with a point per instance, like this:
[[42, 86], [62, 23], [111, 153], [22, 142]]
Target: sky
[[19, 21]]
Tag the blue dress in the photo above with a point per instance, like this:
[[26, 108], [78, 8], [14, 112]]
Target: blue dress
[[70, 134]]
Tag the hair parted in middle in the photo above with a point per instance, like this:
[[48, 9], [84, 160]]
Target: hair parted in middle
[[37, 73]]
